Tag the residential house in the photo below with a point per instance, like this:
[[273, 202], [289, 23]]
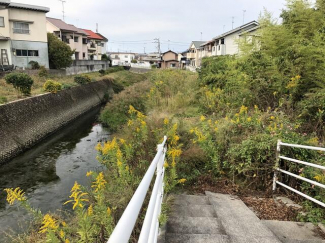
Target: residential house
[[193, 55], [169, 59], [96, 45], [121, 58], [76, 38], [146, 60], [228, 43], [23, 36]]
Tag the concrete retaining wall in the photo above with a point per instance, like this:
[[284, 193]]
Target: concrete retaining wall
[[25, 122]]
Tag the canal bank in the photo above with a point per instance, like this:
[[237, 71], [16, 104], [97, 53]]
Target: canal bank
[[48, 171], [24, 123]]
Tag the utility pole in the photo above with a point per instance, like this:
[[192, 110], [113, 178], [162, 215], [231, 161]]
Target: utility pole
[[157, 40], [201, 36], [244, 11], [168, 44], [233, 21], [63, 2], [144, 50], [96, 27]]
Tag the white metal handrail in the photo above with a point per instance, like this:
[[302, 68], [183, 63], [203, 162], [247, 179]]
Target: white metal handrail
[[277, 169], [149, 231]]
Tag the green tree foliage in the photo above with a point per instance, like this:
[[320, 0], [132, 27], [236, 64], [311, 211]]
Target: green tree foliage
[[21, 81], [59, 52]]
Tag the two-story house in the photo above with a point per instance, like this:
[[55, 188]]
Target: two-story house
[[193, 54], [121, 58], [23, 36], [169, 59], [96, 45], [228, 43], [76, 38]]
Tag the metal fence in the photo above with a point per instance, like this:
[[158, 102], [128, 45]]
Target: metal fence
[[279, 170], [149, 231]]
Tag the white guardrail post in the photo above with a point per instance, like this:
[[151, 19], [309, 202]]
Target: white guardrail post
[[124, 227], [278, 170]]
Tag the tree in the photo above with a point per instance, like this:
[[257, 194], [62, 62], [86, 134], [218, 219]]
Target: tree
[[59, 52]]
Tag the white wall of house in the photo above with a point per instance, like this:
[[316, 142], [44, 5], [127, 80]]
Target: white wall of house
[[122, 58]]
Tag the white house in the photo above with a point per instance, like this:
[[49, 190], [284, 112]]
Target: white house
[[121, 58]]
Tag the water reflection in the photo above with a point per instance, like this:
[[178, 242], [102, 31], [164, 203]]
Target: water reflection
[[47, 172]]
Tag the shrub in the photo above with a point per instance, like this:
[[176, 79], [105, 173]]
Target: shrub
[[21, 81], [153, 66], [59, 52], [134, 61], [82, 79], [52, 86], [105, 57], [3, 100], [34, 65], [102, 72], [115, 69], [42, 72]]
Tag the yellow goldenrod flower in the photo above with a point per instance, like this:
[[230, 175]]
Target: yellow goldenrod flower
[[89, 173], [108, 211], [98, 147], [202, 118], [166, 121], [249, 119], [66, 241], [49, 223], [143, 123], [99, 183], [62, 234], [272, 117], [182, 181], [64, 224], [243, 109], [77, 195], [166, 164], [90, 210], [122, 141], [15, 194], [130, 123], [132, 110]]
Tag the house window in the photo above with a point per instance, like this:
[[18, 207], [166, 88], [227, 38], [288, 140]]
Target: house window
[[84, 41], [84, 55], [21, 28], [76, 39], [27, 53], [172, 65], [126, 56], [222, 41], [103, 44], [2, 22]]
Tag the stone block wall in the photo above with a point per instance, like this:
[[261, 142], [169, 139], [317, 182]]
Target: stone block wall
[[25, 122]]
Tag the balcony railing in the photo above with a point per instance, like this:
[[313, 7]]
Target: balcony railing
[[21, 31]]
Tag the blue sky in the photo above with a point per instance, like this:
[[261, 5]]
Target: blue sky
[[132, 25]]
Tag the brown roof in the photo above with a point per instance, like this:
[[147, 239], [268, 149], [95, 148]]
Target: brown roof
[[64, 26]]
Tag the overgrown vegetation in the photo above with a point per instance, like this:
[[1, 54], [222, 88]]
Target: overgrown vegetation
[[222, 123]]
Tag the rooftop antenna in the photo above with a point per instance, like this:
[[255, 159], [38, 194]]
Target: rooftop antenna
[[244, 11], [63, 2], [201, 36], [233, 21], [96, 27]]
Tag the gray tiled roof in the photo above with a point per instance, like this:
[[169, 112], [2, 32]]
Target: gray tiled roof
[[24, 6], [197, 44], [244, 27], [64, 26]]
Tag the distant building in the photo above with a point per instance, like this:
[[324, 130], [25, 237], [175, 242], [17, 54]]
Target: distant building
[[169, 60], [23, 36], [193, 55], [121, 58], [76, 38]]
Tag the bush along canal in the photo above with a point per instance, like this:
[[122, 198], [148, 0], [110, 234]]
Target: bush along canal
[[48, 171]]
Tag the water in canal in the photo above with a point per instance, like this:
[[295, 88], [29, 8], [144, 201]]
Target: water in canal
[[48, 171]]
